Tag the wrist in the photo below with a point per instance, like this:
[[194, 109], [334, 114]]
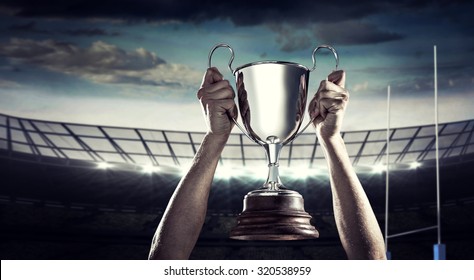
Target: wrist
[[211, 147], [216, 141], [331, 140]]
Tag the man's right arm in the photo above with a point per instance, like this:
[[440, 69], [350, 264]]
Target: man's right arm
[[184, 216]]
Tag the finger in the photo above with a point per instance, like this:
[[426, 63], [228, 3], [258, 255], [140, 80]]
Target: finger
[[211, 76], [221, 105], [327, 87], [329, 94], [338, 77], [233, 113], [217, 86], [313, 109], [323, 111], [223, 93], [331, 106]]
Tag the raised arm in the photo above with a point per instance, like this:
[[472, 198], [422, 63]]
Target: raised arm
[[182, 221], [356, 223]]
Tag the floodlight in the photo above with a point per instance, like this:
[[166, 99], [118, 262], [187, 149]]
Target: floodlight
[[149, 169], [415, 165], [104, 165], [379, 168]]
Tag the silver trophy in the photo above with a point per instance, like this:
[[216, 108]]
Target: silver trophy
[[272, 99]]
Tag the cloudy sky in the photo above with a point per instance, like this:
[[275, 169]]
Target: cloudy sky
[[139, 63]]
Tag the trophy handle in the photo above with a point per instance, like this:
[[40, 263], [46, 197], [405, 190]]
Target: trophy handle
[[231, 55], [336, 56], [232, 71]]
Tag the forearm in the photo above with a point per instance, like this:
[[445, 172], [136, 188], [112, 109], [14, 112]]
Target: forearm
[[358, 228], [182, 221]]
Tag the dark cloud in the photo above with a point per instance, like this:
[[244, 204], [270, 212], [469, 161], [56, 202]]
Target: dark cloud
[[291, 38], [99, 57], [100, 63], [296, 23], [251, 13], [89, 32], [464, 21], [294, 37], [29, 27], [138, 80], [354, 33], [248, 13]]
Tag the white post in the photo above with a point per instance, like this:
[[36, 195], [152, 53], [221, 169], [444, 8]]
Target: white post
[[387, 176], [438, 202], [439, 250]]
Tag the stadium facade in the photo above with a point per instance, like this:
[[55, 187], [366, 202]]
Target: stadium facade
[[75, 191]]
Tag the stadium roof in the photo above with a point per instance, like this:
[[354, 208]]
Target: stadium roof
[[163, 150]]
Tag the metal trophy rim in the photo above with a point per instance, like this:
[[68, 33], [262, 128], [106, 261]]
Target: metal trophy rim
[[313, 58], [270, 62], [280, 192]]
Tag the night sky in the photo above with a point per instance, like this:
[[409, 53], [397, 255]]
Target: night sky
[[139, 63]]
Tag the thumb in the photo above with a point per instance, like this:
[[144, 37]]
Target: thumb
[[338, 77], [211, 76]]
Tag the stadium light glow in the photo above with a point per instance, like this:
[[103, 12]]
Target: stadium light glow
[[223, 172], [104, 165], [379, 168], [298, 173], [415, 165], [302, 172], [149, 169], [227, 172]]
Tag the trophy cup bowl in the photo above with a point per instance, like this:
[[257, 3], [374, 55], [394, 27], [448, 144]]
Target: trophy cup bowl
[[272, 99]]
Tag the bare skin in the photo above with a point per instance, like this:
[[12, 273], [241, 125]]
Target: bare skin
[[356, 223], [182, 221]]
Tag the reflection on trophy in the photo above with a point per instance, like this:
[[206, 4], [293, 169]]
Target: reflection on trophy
[[272, 99]]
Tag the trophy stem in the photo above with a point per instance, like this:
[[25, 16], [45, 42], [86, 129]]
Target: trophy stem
[[273, 182], [272, 150]]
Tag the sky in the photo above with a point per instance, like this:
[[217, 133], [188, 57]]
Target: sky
[[140, 63]]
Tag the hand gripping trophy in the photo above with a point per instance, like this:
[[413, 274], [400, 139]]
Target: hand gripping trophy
[[272, 99]]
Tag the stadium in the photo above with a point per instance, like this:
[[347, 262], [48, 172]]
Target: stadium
[[78, 191]]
